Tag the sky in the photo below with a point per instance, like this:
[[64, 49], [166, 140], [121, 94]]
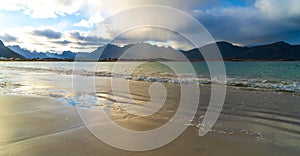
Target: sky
[[60, 25]]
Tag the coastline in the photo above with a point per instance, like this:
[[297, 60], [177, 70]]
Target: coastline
[[274, 76], [248, 124]]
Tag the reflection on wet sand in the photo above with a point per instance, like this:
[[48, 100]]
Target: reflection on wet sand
[[251, 123]]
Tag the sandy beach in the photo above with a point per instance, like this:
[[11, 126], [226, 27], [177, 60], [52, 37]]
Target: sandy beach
[[251, 123], [150, 78]]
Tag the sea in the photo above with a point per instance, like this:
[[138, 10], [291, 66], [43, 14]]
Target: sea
[[270, 76], [260, 112]]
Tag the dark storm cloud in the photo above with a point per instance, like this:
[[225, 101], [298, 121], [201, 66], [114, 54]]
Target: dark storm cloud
[[88, 40], [248, 26], [76, 35], [50, 34], [8, 38]]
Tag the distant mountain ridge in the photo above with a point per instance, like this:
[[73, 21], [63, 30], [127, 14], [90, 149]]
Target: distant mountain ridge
[[274, 51], [7, 53], [144, 51], [139, 51], [26, 53]]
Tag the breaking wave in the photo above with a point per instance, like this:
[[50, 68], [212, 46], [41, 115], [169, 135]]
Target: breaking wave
[[238, 82]]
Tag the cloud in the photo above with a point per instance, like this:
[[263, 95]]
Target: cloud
[[97, 10], [153, 35], [279, 9], [76, 35], [256, 22], [87, 39], [242, 22], [8, 38], [48, 33], [123, 25], [43, 8], [12, 5], [84, 23], [64, 42], [246, 26], [94, 19], [29, 40], [110, 7]]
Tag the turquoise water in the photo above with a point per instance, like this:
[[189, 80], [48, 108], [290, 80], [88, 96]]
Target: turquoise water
[[265, 70], [282, 76]]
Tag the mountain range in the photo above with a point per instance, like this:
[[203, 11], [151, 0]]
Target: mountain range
[[275, 51], [145, 51], [8, 53]]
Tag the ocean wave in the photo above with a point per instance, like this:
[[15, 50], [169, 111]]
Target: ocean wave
[[237, 82]]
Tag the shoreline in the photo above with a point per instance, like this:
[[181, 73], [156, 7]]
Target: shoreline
[[172, 80], [32, 125]]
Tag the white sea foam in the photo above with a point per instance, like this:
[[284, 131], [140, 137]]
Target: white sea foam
[[238, 82]]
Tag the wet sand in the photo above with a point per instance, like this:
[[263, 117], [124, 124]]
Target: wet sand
[[251, 123]]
